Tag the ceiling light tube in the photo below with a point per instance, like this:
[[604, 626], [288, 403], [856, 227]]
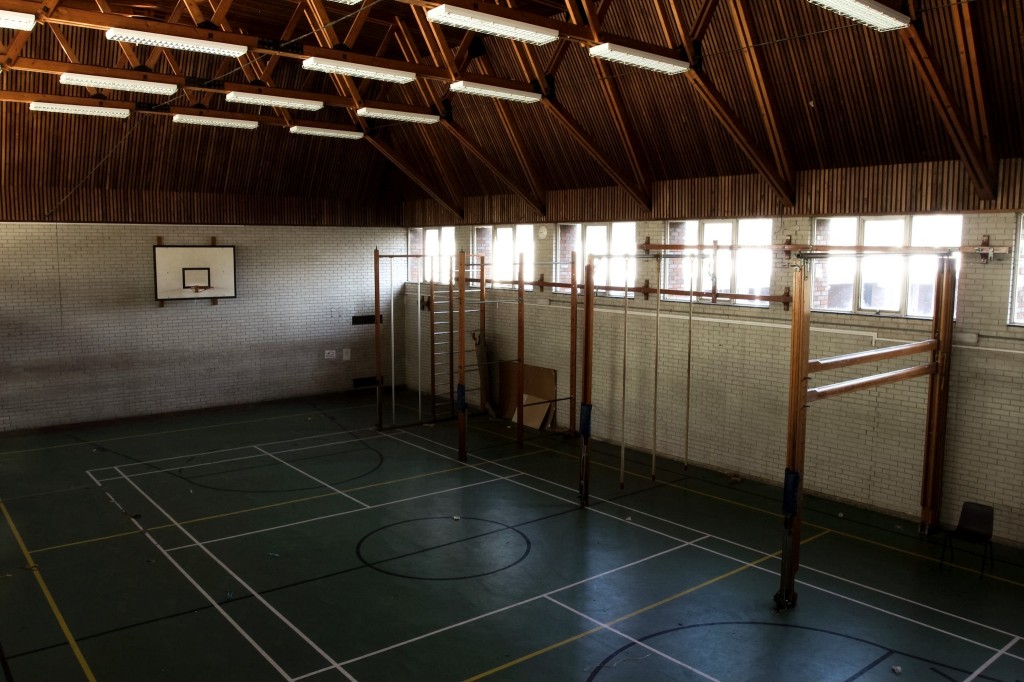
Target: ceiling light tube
[[492, 25], [348, 2], [274, 101], [495, 92], [125, 84], [124, 35], [19, 21], [392, 115], [215, 121], [378, 73], [83, 110], [868, 12], [326, 132], [638, 58]]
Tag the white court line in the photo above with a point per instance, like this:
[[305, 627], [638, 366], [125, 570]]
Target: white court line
[[256, 595], [213, 602], [756, 551], [206, 453], [262, 453], [622, 634], [313, 478], [992, 660], [508, 607], [191, 428], [344, 513]]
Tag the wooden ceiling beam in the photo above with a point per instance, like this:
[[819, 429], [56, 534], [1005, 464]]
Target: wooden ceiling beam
[[435, 43], [728, 119], [514, 136], [69, 50], [157, 52], [703, 21], [473, 148], [358, 21], [627, 133], [982, 174], [322, 23], [126, 48], [220, 12], [744, 24], [21, 37], [685, 35], [452, 206], [563, 118], [977, 109]]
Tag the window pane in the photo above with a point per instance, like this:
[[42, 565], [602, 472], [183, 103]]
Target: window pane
[[447, 251], [1018, 290], [569, 243], [832, 277], [432, 249], [525, 251], [931, 230], [717, 271], [596, 244], [754, 266], [504, 252], [679, 269], [882, 276], [415, 246], [622, 270]]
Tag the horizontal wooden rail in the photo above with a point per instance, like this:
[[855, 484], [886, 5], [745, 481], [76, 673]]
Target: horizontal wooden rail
[[872, 355], [844, 387], [643, 291], [801, 249]]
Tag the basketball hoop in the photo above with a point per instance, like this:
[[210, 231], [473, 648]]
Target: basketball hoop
[[197, 288]]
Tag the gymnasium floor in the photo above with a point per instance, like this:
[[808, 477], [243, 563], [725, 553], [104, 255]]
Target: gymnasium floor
[[291, 541]]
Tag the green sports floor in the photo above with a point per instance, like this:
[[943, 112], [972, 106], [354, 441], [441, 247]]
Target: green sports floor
[[292, 541]]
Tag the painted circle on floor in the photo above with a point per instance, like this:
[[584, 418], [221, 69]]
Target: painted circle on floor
[[443, 548]]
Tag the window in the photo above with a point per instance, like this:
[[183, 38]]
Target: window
[[617, 241], [897, 284], [745, 270], [509, 245], [438, 245], [1017, 304]]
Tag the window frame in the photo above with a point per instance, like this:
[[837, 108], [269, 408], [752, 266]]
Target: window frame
[[1017, 278], [857, 294], [529, 269], [423, 270], [563, 258], [732, 253]]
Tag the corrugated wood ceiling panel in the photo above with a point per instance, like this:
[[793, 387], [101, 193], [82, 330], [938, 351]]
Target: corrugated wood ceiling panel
[[1000, 35]]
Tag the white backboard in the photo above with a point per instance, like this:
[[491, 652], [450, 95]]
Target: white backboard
[[194, 272]]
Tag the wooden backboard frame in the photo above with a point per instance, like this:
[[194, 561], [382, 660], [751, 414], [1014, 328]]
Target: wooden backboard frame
[[171, 265]]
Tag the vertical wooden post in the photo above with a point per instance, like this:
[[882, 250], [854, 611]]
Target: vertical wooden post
[[377, 341], [574, 301], [657, 349], [520, 353], [796, 436], [483, 302], [586, 408], [460, 403], [938, 396]]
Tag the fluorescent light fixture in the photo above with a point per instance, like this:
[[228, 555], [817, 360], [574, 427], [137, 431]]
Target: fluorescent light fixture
[[108, 112], [392, 115], [19, 21], [378, 73], [274, 101], [495, 92], [327, 132], [638, 58], [348, 2], [868, 12], [124, 35], [492, 25], [215, 121], [126, 84]]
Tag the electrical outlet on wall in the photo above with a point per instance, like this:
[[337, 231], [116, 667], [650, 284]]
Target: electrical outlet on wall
[[346, 354], [330, 354]]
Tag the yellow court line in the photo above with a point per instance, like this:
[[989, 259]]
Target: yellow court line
[[46, 593], [644, 609]]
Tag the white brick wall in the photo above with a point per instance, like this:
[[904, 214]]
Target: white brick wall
[[82, 339], [866, 448]]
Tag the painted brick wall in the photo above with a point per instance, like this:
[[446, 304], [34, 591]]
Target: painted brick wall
[[82, 339], [866, 448]]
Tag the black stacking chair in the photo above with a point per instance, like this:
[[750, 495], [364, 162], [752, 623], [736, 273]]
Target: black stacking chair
[[975, 527]]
